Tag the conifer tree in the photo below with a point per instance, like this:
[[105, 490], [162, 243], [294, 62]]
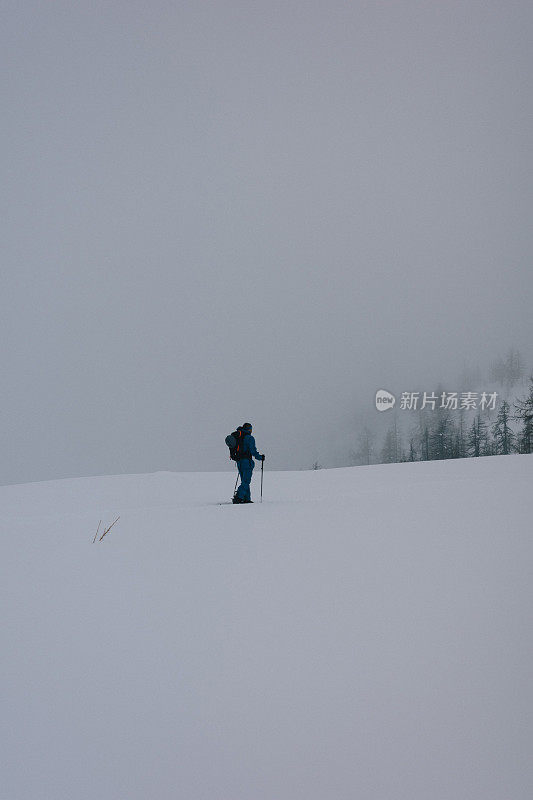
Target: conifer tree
[[524, 414], [477, 437], [502, 432], [364, 454]]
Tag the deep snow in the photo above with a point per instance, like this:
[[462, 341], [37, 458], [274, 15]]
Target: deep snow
[[364, 633]]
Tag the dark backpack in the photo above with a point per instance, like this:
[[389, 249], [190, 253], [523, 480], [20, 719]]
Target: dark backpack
[[234, 442]]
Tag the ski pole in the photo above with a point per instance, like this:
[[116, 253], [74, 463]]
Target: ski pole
[[262, 465], [236, 479]]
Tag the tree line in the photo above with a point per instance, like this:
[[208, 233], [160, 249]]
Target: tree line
[[443, 432]]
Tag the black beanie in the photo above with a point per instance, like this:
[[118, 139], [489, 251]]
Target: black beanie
[[247, 425]]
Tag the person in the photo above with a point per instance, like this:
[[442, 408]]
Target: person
[[245, 464]]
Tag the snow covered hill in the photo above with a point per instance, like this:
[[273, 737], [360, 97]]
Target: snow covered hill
[[364, 634]]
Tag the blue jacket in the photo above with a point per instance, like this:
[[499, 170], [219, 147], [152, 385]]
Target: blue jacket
[[249, 448]]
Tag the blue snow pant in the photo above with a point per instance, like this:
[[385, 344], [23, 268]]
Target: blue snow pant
[[246, 468]]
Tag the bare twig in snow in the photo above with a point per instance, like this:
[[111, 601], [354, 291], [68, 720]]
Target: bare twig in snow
[[96, 534], [108, 529]]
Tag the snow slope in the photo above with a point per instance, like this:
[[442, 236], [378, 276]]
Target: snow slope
[[364, 633]]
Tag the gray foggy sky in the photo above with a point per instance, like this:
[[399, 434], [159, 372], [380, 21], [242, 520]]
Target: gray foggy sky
[[216, 212]]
